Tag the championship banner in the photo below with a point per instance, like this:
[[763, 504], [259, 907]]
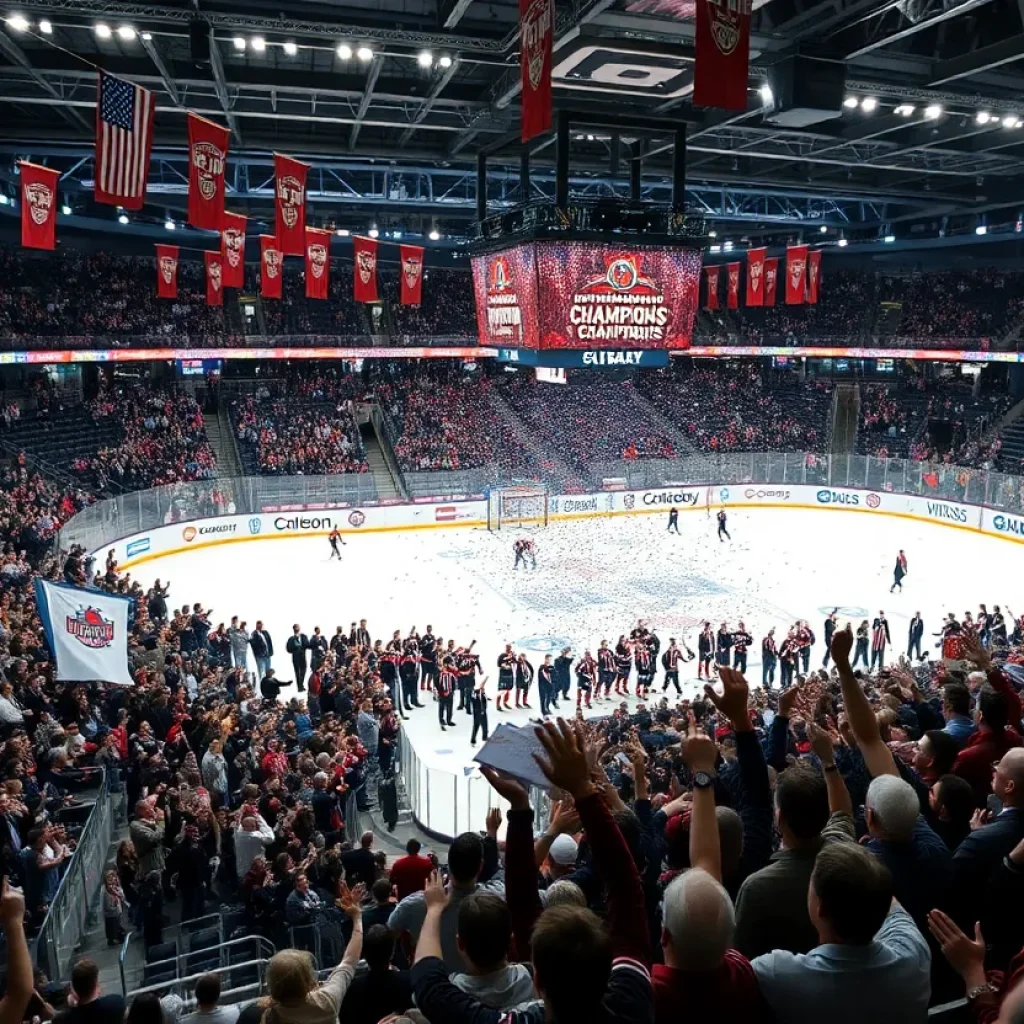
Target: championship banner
[[813, 275], [712, 276], [755, 277], [771, 279], [290, 204], [411, 274], [86, 631], [207, 158], [733, 279], [214, 278], [167, 271], [364, 274], [536, 32], [796, 272], [232, 250], [318, 262], [722, 54], [38, 206], [271, 266]]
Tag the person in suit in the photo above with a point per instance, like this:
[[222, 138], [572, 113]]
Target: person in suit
[[297, 646], [914, 636], [360, 636], [317, 648], [478, 703], [270, 687], [262, 649]]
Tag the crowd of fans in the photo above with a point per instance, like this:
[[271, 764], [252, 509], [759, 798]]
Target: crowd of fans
[[447, 307]]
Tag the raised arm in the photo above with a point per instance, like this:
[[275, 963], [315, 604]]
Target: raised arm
[[20, 982], [877, 756], [838, 795], [701, 754], [564, 819], [971, 650]]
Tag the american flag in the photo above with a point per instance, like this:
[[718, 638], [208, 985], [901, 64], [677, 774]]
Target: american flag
[[124, 135]]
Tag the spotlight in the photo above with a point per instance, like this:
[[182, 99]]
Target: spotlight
[[714, 248], [766, 94], [982, 117], [435, 235], [169, 224], [239, 42], [46, 27], [258, 43], [850, 102], [344, 51], [122, 218], [125, 32], [889, 238], [445, 61], [842, 243], [20, 23], [373, 233], [147, 36], [868, 104], [66, 210], [904, 109], [364, 53], [712, 233], [1010, 121], [290, 48], [342, 232], [823, 229], [4, 199], [981, 230], [590, 138], [396, 235], [933, 111], [425, 59], [727, 246], [102, 31]]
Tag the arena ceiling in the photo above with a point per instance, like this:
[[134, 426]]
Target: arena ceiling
[[936, 135]]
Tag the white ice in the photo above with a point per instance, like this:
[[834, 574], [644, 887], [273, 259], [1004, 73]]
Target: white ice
[[594, 579]]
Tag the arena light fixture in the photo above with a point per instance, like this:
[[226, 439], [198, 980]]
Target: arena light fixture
[[982, 117], [842, 243], [344, 51], [147, 36], [46, 27], [238, 42], [435, 235], [869, 104], [889, 239], [125, 33], [933, 111], [66, 210], [365, 54], [1010, 121], [4, 199], [169, 224], [445, 61], [343, 232], [714, 248], [767, 96], [850, 102], [102, 30], [291, 48], [258, 43], [727, 245], [904, 109], [425, 59], [981, 230], [823, 229], [396, 235], [18, 22], [373, 233], [122, 218], [712, 233]]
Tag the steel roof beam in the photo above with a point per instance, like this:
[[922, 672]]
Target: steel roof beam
[[16, 55], [372, 74], [158, 62], [1006, 51], [428, 104]]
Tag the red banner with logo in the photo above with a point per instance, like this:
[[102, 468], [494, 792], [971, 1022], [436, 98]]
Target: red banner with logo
[[722, 54], [813, 275], [796, 274], [755, 277], [411, 273], [290, 202], [271, 268], [214, 278], [771, 279], [536, 32], [207, 158], [318, 263], [232, 249], [38, 206], [167, 271], [733, 280], [712, 279], [364, 273]]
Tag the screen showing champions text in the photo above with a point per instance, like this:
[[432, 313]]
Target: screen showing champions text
[[587, 296]]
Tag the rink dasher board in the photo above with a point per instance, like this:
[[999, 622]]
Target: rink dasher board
[[198, 534]]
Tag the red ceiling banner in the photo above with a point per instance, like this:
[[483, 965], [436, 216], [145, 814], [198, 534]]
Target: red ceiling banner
[[167, 271], [411, 274], [318, 263], [232, 249], [38, 206], [796, 272], [771, 277], [536, 32], [733, 278], [712, 293], [722, 54], [207, 158], [813, 276], [365, 270], [214, 278], [290, 189], [271, 268], [755, 277]]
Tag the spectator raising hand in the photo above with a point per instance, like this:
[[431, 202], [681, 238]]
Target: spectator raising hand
[[566, 764]]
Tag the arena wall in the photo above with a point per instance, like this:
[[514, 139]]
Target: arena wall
[[232, 529]]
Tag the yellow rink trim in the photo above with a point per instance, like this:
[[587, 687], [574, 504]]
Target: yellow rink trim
[[567, 516]]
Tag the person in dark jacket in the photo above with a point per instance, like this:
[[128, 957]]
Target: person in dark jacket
[[829, 630], [914, 636], [262, 649], [563, 679], [382, 990], [297, 646]]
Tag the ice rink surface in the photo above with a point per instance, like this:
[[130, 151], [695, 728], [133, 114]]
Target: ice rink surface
[[594, 579]]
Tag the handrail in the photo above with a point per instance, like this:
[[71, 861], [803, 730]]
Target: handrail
[[161, 987], [261, 944]]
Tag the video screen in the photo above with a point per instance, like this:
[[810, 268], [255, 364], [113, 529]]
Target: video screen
[[582, 295]]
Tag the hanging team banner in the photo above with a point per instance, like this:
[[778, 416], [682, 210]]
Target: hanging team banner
[[365, 271], [813, 275], [722, 54], [411, 259], [771, 277], [86, 631], [536, 32], [38, 206], [232, 250], [214, 278], [167, 271], [712, 277], [207, 158], [733, 278], [755, 277], [796, 270], [290, 204], [271, 265], [318, 262]]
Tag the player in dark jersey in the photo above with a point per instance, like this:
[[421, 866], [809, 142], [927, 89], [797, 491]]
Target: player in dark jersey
[[524, 677], [705, 651], [673, 520], [444, 687], [721, 526], [605, 670], [335, 538], [546, 686], [586, 674], [623, 666], [506, 677], [644, 669], [741, 641], [670, 662]]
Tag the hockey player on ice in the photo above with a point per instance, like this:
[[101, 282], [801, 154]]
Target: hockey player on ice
[[721, 526], [899, 571], [526, 552], [673, 520]]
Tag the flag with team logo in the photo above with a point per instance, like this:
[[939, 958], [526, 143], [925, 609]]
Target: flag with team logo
[[167, 271], [232, 249], [712, 290], [755, 277], [318, 263], [38, 206], [86, 631], [771, 277], [364, 273], [207, 159], [411, 272], [722, 54], [732, 271], [214, 278], [271, 268], [796, 273], [536, 37], [813, 275], [290, 204]]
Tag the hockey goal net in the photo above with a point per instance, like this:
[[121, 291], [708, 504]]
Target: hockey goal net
[[513, 507]]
